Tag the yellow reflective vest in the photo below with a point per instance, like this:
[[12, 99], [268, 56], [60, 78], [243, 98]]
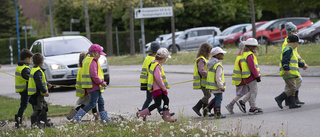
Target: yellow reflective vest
[[80, 92], [211, 78], [20, 82], [244, 65], [293, 65], [86, 81], [144, 72], [285, 43], [32, 87], [199, 81], [236, 76], [150, 75]]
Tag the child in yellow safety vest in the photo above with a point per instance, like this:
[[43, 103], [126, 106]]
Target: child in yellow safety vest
[[38, 89], [215, 82], [21, 83], [84, 97], [158, 85], [200, 76]]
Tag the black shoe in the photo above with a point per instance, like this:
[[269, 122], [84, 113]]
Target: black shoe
[[293, 103], [254, 110], [242, 106], [197, 108], [279, 99], [17, 121], [297, 98]]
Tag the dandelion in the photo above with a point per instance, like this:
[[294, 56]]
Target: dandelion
[[171, 127], [197, 135], [182, 130], [171, 133], [282, 133], [133, 130], [204, 131]]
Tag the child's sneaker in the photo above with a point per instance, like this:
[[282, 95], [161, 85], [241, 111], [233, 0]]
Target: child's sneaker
[[255, 110], [230, 108], [242, 106]]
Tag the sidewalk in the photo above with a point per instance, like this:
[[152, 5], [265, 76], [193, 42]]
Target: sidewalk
[[228, 69]]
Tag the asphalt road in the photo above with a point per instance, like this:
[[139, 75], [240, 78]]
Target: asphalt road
[[299, 122]]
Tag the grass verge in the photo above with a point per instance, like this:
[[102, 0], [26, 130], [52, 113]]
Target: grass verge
[[309, 52], [9, 107]]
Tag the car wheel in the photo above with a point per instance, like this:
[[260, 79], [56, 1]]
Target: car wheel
[[263, 41], [316, 38], [170, 48]]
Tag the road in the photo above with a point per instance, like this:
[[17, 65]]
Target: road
[[303, 121]]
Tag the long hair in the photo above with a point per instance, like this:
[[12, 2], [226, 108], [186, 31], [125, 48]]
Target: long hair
[[254, 49], [204, 50], [81, 58]]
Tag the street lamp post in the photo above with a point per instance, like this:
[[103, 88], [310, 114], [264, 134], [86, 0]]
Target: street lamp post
[[25, 28]]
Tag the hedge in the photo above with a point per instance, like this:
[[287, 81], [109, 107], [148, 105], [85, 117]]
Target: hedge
[[98, 38]]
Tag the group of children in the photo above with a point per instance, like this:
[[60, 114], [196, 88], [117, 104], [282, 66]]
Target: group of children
[[208, 76]]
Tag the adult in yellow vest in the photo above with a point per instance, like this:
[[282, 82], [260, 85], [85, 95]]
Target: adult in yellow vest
[[21, 83], [38, 89], [158, 85], [250, 73], [200, 76], [84, 97], [289, 70], [92, 82], [292, 29], [215, 82]]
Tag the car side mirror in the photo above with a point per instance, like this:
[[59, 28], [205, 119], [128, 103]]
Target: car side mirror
[[214, 33], [185, 36], [271, 29], [244, 30], [161, 38]]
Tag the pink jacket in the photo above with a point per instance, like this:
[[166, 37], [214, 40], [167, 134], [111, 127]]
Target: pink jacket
[[96, 81], [253, 69], [157, 79]]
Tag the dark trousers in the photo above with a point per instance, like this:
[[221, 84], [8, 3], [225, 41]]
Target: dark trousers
[[24, 99], [94, 110], [157, 102]]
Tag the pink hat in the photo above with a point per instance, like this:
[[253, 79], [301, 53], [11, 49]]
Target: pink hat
[[96, 48]]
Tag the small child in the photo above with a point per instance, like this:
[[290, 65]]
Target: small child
[[289, 70], [200, 75], [158, 85], [92, 81], [215, 82], [241, 88], [38, 88], [250, 74], [84, 97], [21, 83]]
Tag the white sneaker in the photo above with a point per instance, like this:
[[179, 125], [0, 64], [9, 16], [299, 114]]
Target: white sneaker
[[230, 109]]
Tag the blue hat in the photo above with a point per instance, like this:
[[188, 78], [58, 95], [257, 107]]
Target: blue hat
[[154, 46]]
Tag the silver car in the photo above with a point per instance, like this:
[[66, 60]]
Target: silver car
[[61, 58]]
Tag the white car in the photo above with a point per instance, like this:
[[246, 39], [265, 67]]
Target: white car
[[61, 58]]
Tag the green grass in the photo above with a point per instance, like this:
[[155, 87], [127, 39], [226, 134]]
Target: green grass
[[9, 107], [309, 52]]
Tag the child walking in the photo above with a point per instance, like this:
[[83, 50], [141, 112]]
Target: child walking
[[215, 82], [92, 81], [21, 83], [158, 85], [289, 70], [200, 75], [84, 97], [250, 74], [38, 89]]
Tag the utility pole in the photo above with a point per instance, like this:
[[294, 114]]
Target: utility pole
[[17, 23], [253, 19], [86, 19], [50, 19]]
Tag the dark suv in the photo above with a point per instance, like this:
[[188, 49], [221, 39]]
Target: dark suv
[[311, 33]]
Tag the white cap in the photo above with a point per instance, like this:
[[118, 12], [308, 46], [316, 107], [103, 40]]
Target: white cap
[[217, 50], [251, 42], [163, 53]]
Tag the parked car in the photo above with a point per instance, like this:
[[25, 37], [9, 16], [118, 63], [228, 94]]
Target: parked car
[[61, 58], [235, 37], [311, 33], [271, 30], [218, 40], [164, 40], [191, 39]]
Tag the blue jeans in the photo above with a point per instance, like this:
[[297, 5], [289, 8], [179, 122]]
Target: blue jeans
[[217, 99], [95, 97], [23, 102], [149, 98]]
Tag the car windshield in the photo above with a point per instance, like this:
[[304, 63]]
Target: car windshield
[[317, 24], [249, 27], [66, 46], [226, 31], [264, 26]]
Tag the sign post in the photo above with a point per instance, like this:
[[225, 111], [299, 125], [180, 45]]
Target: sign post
[[25, 28]]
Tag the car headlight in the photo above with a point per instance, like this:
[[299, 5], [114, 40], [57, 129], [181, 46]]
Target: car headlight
[[102, 60], [57, 66]]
